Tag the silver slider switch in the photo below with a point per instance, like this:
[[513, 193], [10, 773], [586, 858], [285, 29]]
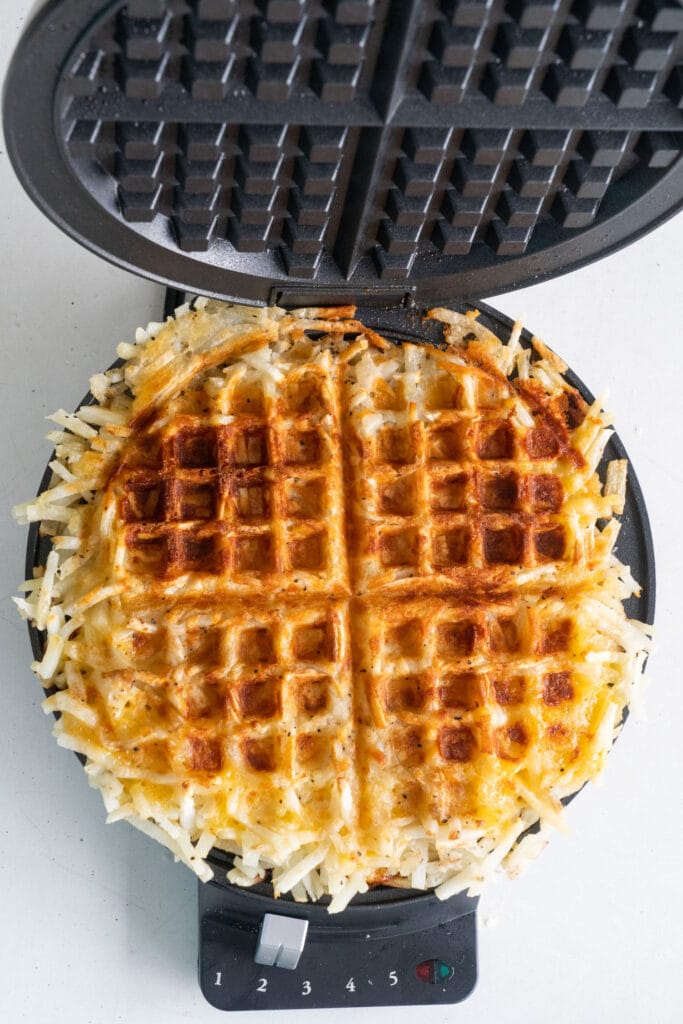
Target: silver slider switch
[[281, 941]]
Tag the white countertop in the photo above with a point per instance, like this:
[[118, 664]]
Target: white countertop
[[99, 925]]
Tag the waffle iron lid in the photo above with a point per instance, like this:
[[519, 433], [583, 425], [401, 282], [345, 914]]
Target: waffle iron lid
[[312, 151]]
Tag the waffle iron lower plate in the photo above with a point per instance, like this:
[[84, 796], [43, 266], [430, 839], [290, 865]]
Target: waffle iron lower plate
[[391, 946]]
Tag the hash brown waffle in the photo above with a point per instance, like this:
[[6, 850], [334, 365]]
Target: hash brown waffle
[[346, 610]]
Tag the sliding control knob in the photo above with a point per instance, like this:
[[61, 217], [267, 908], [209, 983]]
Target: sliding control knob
[[281, 941]]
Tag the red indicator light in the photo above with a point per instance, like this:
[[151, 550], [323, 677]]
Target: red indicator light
[[425, 971], [434, 971]]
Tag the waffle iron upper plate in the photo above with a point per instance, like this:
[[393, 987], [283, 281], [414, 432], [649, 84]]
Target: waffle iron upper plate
[[350, 150]]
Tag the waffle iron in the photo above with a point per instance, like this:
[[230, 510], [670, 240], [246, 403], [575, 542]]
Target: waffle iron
[[395, 154]]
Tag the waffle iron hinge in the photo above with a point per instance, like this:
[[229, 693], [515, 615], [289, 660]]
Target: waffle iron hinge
[[396, 298]]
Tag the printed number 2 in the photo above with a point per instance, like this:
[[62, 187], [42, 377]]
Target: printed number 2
[[262, 985], [393, 979], [306, 990], [350, 985]]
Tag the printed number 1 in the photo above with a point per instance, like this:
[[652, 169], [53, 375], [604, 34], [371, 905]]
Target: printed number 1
[[306, 990], [393, 979], [218, 978], [350, 985]]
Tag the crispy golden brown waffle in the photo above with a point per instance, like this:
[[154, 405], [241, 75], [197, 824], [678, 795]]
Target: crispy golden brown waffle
[[346, 609]]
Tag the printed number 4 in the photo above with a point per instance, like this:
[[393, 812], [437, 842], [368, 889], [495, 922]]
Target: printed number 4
[[393, 979], [306, 990], [262, 985], [350, 985]]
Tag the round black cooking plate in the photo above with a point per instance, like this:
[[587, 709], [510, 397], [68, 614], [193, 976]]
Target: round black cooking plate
[[407, 909]]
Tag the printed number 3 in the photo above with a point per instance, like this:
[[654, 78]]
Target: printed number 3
[[262, 985], [306, 990], [393, 979]]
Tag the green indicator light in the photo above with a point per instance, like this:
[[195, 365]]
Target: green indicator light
[[445, 971]]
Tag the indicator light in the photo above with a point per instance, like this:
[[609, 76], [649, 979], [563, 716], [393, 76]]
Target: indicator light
[[445, 971], [434, 971], [424, 970]]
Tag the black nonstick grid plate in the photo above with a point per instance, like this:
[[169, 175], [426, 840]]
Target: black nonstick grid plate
[[345, 149]]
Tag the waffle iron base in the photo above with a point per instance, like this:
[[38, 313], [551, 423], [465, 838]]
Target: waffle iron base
[[368, 963]]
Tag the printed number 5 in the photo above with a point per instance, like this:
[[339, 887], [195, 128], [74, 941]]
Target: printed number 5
[[350, 985], [262, 985], [306, 990], [393, 980]]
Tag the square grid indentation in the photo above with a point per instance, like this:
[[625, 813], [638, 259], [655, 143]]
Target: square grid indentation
[[243, 498], [485, 478], [451, 690], [250, 687]]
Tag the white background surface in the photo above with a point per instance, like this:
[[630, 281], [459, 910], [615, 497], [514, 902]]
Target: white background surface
[[98, 925]]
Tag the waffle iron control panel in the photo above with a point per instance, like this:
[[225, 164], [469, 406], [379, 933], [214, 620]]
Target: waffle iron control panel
[[281, 962]]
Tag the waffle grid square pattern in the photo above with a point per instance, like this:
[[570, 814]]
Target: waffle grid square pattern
[[388, 137], [246, 501], [337, 603]]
